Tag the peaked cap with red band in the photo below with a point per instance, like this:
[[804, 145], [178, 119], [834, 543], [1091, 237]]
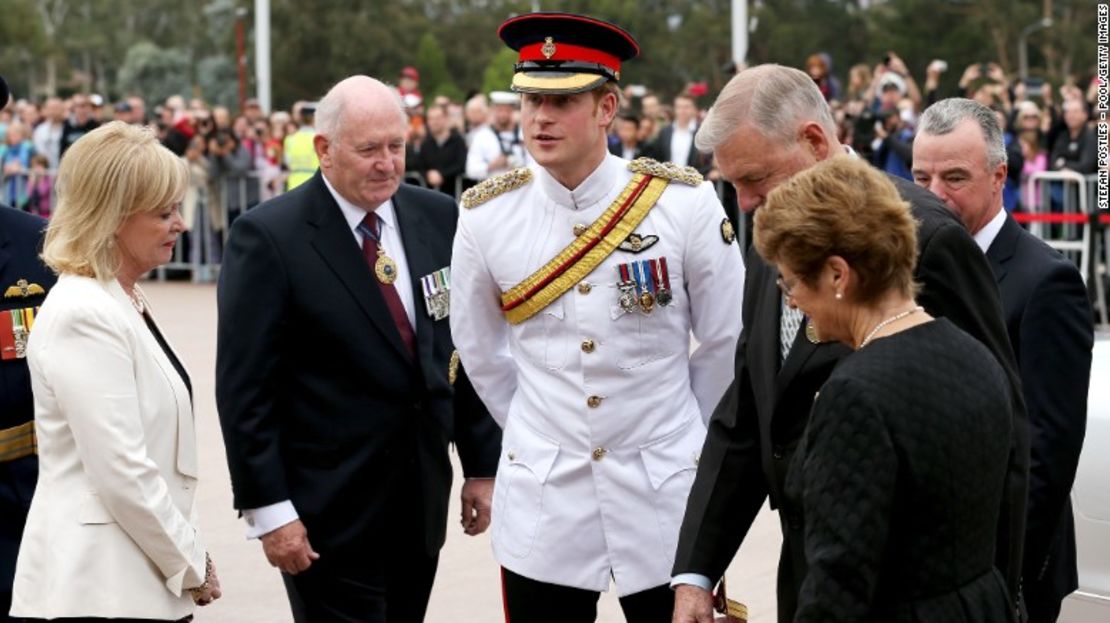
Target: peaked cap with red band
[[564, 52]]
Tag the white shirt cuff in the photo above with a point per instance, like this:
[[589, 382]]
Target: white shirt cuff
[[265, 520], [693, 579]]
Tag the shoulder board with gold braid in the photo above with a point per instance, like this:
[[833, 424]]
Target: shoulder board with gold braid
[[666, 170], [494, 186]]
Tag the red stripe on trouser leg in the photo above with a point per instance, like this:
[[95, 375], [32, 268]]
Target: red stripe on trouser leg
[[504, 596]]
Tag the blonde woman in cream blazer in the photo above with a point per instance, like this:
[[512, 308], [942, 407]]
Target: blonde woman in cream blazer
[[112, 530]]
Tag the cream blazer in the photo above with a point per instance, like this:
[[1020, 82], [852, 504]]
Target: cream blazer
[[112, 527]]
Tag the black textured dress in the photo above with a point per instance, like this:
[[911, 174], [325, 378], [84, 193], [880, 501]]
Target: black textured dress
[[900, 475]]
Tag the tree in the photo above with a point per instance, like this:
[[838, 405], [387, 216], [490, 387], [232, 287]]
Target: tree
[[21, 32], [499, 71], [218, 80], [154, 72], [432, 63]]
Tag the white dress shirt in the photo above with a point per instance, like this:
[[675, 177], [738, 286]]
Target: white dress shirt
[[682, 139], [47, 139], [986, 235], [488, 145], [266, 519]]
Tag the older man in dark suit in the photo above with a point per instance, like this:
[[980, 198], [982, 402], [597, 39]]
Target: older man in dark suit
[[337, 383], [959, 155], [769, 123]]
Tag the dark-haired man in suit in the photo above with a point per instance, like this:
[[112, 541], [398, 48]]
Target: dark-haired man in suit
[[336, 379], [675, 142], [960, 155], [627, 144]]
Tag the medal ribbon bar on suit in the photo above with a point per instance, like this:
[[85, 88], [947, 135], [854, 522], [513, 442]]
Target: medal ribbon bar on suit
[[623, 270], [15, 328], [662, 279], [586, 253]]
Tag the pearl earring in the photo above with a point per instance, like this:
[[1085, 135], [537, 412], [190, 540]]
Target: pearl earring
[[839, 296]]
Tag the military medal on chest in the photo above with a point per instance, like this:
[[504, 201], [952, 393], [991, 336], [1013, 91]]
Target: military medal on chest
[[627, 288], [644, 285], [662, 280], [15, 328], [437, 293]]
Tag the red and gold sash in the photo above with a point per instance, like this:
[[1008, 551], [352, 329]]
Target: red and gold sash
[[586, 253]]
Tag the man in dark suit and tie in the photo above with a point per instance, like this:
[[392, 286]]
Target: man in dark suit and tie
[[626, 142], [337, 384], [769, 123], [675, 142], [960, 155]]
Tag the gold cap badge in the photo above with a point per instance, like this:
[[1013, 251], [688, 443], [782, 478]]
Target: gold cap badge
[[548, 48]]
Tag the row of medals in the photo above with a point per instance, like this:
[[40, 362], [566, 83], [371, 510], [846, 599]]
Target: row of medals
[[21, 321], [643, 285], [436, 298]]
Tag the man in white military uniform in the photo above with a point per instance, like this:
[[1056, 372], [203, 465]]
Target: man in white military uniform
[[498, 147], [577, 283]]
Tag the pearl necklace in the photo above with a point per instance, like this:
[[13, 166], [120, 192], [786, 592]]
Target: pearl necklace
[[138, 301], [883, 323]]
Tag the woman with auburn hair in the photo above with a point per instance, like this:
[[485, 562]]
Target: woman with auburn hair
[[900, 473], [112, 531]]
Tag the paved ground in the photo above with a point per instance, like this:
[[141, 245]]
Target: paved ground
[[466, 589]]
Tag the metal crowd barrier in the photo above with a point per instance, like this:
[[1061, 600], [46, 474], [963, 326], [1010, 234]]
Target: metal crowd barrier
[[16, 188], [417, 178], [199, 252], [1067, 219]]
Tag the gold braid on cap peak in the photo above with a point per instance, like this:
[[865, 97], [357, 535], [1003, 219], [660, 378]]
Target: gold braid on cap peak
[[494, 186], [666, 170]]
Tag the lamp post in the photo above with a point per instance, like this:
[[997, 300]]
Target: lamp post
[[262, 52], [241, 55], [739, 32], [1023, 52]]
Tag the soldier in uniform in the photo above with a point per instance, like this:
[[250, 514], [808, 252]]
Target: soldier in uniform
[[24, 281], [578, 282]]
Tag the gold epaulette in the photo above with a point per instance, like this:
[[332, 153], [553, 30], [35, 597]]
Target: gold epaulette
[[666, 170], [494, 186]]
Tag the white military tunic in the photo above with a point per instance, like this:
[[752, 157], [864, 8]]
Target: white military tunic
[[603, 410]]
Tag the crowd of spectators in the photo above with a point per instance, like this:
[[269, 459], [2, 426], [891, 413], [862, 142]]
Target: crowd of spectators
[[1046, 128], [236, 161]]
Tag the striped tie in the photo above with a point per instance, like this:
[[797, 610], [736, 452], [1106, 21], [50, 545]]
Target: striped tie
[[370, 227]]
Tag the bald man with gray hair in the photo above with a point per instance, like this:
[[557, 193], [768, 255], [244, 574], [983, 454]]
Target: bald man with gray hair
[[336, 380], [769, 123]]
